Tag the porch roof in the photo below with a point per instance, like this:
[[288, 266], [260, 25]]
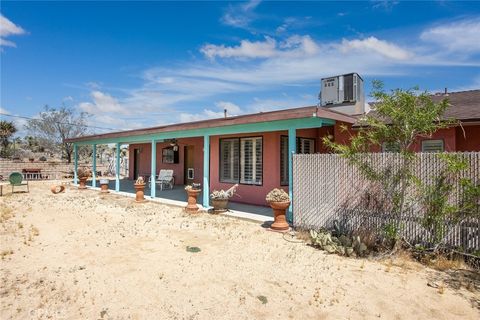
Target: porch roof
[[272, 120]]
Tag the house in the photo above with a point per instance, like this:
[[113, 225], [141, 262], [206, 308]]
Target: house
[[255, 150], [251, 150], [464, 106]]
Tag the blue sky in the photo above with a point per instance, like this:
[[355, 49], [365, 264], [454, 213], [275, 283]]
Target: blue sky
[[143, 64]]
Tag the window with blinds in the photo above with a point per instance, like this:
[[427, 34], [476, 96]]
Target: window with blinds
[[304, 146], [241, 160], [432, 146], [251, 160], [229, 159]]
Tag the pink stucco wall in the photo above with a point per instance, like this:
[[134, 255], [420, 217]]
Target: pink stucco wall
[[178, 168], [254, 194], [468, 138], [250, 194]]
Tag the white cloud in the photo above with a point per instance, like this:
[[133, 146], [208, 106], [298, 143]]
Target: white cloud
[[293, 46], [265, 68], [103, 103], [246, 49], [459, 36], [386, 5], [8, 28], [7, 43], [232, 108], [240, 15], [372, 44]]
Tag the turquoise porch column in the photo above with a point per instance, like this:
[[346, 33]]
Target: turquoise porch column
[[94, 166], [75, 164], [117, 167], [206, 171], [292, 147], [154, 169]]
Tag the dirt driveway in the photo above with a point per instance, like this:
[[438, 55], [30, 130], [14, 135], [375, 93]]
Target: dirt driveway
[[81, 255]]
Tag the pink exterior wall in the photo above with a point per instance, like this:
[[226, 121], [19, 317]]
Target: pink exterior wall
[[470, 141], [178, 168], [254, 194], [447, 135]]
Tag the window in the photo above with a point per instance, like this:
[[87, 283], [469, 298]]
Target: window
[[241, 160], [304, 146], [229, 160], [390, 147], [169, 155], [432, 146]]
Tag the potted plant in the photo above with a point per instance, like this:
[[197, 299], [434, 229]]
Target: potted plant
[[104, 185], [279, 200], [192, 192], [139, 189], [83, 174], [220, 199]]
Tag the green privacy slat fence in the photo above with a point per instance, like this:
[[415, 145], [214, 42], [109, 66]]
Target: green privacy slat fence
[[327, 189]]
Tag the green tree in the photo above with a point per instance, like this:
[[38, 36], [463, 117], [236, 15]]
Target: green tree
[[398, 118], [57, 125], [7, 130]]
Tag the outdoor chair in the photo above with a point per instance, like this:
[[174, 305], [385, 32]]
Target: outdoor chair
[[16, 180], [165, 179]]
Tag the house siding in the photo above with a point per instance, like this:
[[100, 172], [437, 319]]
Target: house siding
[[471, 140]]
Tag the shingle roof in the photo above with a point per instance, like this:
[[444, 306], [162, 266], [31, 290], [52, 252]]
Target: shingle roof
[[464, 105], [295, 113]]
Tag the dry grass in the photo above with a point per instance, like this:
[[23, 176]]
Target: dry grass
[[6, 213], [442, 263], [5, 253]]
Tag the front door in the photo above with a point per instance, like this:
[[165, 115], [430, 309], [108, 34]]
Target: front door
[[189, 173], [136, 162]]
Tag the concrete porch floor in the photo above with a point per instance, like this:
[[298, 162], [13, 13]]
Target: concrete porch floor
[[177, 196]]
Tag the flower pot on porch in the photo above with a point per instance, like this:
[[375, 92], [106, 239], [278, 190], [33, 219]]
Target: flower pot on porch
[[139, 192], [82, 182], [280, 221], [192, 206], [104, 186], [219, 205]]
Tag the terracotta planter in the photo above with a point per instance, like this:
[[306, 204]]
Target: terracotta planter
[[139, 192], [220, 205], [280, 220], [192, 206], [83, 183], [104, 186], [57, 189]]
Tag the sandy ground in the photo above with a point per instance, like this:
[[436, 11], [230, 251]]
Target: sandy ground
[[82, 255]]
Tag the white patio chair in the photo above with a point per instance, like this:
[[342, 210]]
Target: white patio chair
[[165, 179]]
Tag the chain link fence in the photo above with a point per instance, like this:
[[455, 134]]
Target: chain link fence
[[328, 190]]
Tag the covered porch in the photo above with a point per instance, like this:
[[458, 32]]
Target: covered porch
[[177, 197], [205, 138]]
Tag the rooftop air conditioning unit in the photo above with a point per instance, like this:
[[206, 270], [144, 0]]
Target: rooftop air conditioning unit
[[343, 93]]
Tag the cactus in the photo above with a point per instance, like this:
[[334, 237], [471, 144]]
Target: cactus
[[277, 195], [140, 180], [343, 245]]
